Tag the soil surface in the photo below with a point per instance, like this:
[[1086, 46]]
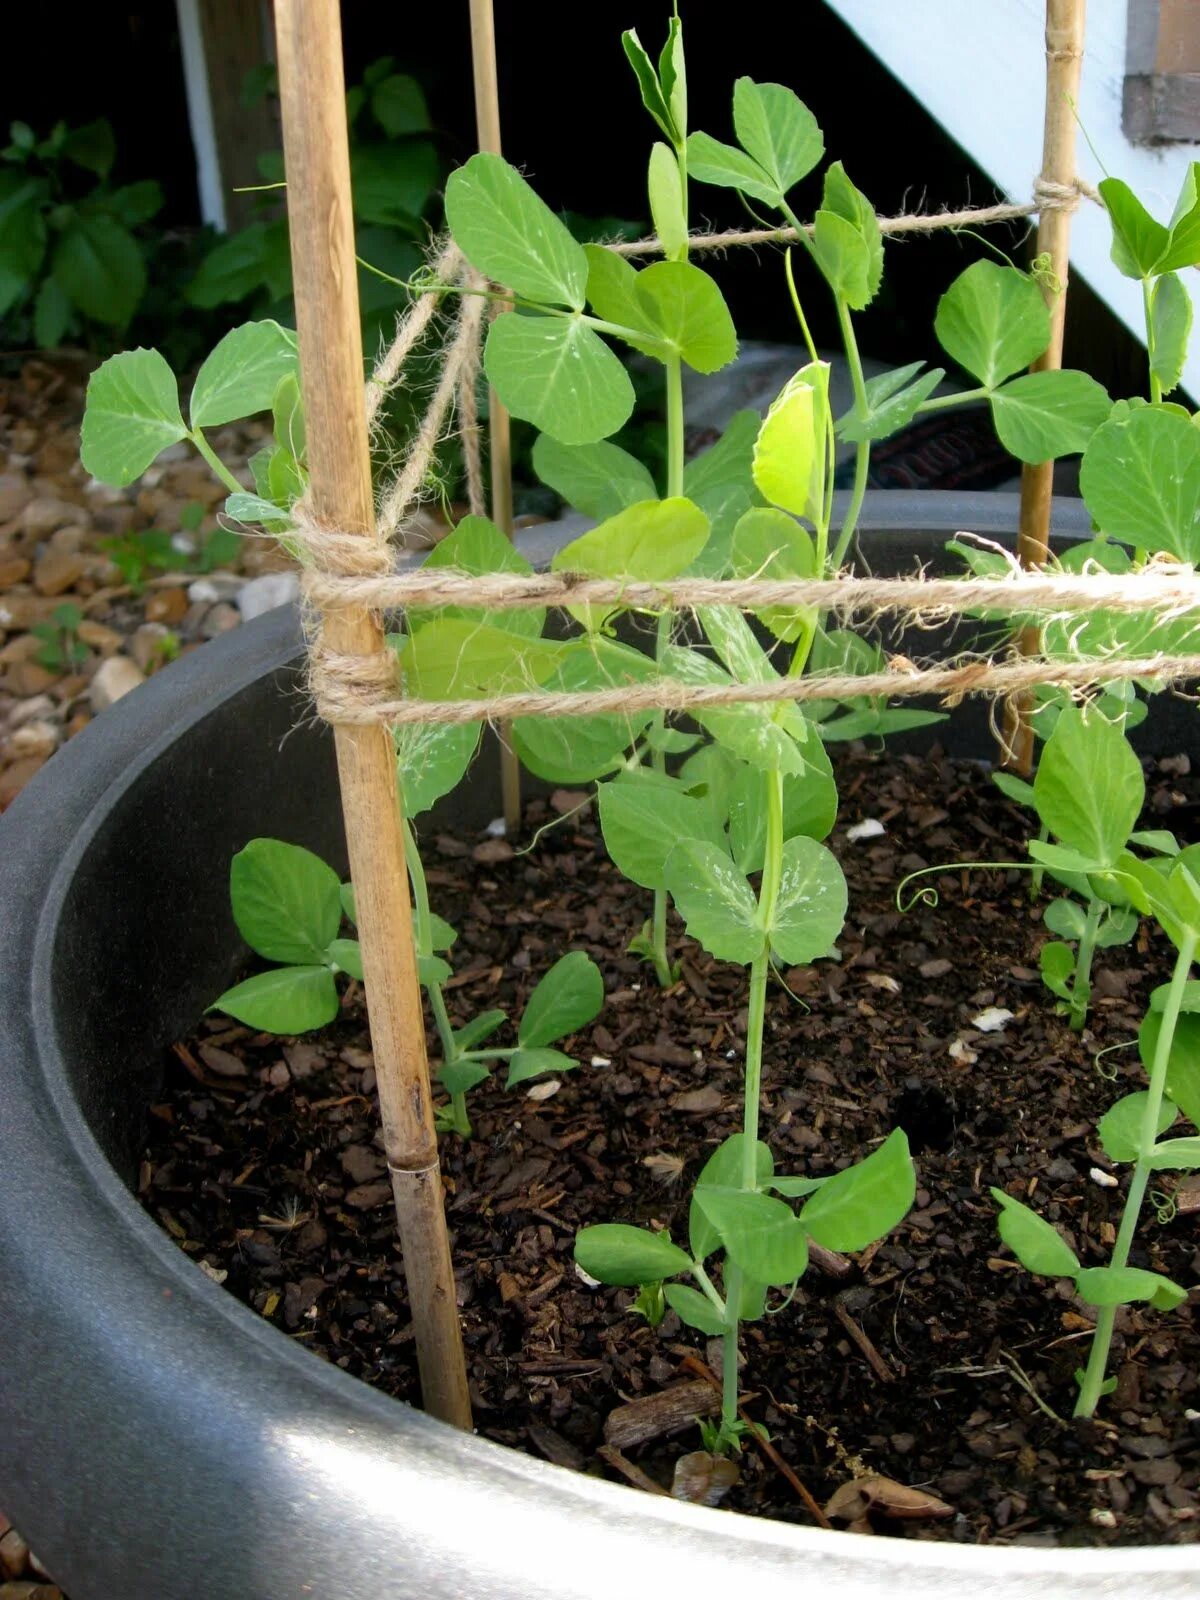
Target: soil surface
[[932, 1359]]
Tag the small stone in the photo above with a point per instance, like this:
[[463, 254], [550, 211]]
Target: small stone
[[1156, 1473], [992, 1019], [15, 495], [223, 1062], [167, 605], [264, 594], [13, 779], [33, 739], [217, 586], [32, 710], [27, 1590], [303, 1059], [114, 679], [77, 724], [366, 1197], [146, 644], [361, 1164], [222, 618], [25, 610], [43, 515], [937, 968], [68, 541], [279, 1077], [14, 570], [29, 677], [57, 571], [99, 636], [871, 828]]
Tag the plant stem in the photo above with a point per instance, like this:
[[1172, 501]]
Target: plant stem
[[1156, 392], [214, 462], [437, 1002], [943, 402], [662, 961], [1093, 1378], [1038, 875], [1081, 986], [768, 896], [862, 450]]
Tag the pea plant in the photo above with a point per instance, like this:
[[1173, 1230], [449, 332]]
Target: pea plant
[[290, 906], [1131, 1131]]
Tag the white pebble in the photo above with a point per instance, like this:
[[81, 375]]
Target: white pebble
[[496, 828], [586, 1277], [992, 1020], [1104, 1179], [870, 829]]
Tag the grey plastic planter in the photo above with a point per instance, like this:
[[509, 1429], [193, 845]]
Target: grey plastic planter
[[157, 1440]]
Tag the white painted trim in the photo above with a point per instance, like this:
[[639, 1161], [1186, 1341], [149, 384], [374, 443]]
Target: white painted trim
[[978, 68], [200, 115]]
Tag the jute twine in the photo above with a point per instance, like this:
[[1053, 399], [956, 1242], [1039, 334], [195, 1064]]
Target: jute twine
[[355, 569]]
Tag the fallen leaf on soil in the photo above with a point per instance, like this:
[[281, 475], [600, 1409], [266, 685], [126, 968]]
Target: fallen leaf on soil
[[703, 1479], [854, 1500]]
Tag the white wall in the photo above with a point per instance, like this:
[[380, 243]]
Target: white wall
[[978, 68]]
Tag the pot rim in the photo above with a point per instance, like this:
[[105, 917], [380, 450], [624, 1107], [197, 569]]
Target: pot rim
[[384, 1492]]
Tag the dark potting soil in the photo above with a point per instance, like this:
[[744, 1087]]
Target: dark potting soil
[[931, 1359]]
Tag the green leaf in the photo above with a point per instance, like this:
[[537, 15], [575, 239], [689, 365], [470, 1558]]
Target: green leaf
[[643, 816], [346, 955], [431, 759], [1120, 1128], [460, 1077], [650, 542], [719, 481], [99, 264], [23, 232], [809, 808], [749, 732], [726, 167], [1183, 247], [1140, 480], [398, 105], [598, 479], [432, 969], [478, 1029], [694, 1309], [715, 901], [51, 315], [613, 1252], [1176, 1155], [453, 659], [723, 1170], [93, 146], [1089, 788], [132, 414], [893, 399], [760, 1234], [1057, 964], [993, 321], [1121, 1286], [732, 637], [1014, 788], [285, 1000], [777, 129], [612, 294], [1037, 1246], [665, 188], [566, 999], [1045, 415], [526, 1064], [1065, 918], [648, 83], [768, 543], [855, 1207], [1138, 240], [846, 240], [441, 934], [1171, 321], [1118, 928], [796, 1188], [811, 907], [135, 203], [476, 547], [1183, 1062], [512, 236], [241, 375], [560, 375], [579, 749], [286, 901], [789, 454], [685, 307], [672, 76]]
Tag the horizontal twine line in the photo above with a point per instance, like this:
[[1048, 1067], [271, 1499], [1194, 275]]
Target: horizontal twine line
[[348, 689], [1164, 587]]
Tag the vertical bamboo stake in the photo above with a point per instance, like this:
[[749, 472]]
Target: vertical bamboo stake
[[1064, 61], [312, 93], [487, 122]]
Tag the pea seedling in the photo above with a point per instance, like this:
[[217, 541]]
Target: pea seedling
[[289, 905], [60, 648]]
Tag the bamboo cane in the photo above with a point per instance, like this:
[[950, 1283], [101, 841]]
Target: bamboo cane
[[487, 122], [1064, 61], [312, 93]]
